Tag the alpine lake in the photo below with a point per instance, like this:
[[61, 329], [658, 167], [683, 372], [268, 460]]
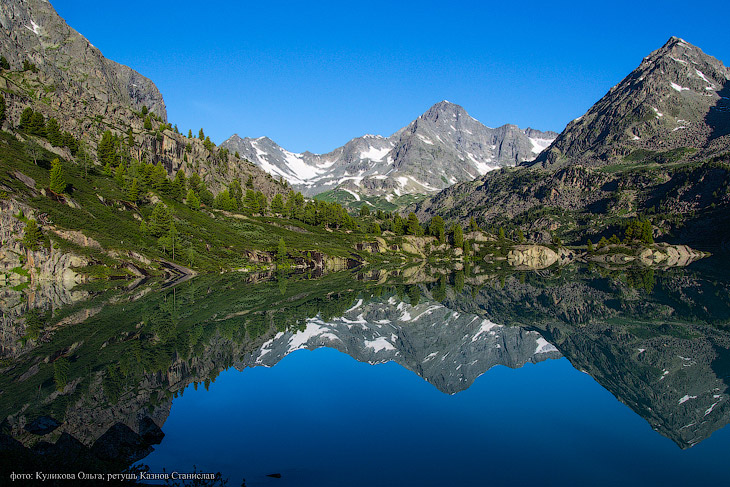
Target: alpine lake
[[418, 376]]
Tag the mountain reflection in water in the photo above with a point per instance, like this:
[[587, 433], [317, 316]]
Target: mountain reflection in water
[[89, 376]]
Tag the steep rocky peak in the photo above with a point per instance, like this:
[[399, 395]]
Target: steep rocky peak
[[444, 111], [33, 31], [677, 97]]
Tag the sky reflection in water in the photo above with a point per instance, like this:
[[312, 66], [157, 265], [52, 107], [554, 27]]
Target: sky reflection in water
[[322, 418]]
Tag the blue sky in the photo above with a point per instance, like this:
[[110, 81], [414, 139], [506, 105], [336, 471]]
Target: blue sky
[[311, 76]]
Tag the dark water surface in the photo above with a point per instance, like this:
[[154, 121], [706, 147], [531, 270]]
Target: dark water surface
[[576, 376]]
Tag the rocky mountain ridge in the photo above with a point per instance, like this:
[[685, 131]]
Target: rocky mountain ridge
[[34, 32], [677, 97], [657, 146], [443, 146], [58, 73]]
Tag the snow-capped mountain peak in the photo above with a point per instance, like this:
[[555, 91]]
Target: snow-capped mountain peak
[[443, 146]]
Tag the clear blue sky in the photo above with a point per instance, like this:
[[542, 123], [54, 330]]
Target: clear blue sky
[[312, 75]]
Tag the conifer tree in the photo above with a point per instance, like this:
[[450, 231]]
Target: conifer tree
[[261, 202], [160, 219], [53, 132], [107, 148], [2, 108], [413, 227], [58, 180], [133, 191], [179, 185], [457, 234], [437, 229], [281, 251], [192, 200], [277, 204], [25, 118], [32, 236], [473, 227], [119, 174], [37, 124]]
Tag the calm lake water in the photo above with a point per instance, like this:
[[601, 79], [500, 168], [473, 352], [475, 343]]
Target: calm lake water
[[582, 376]]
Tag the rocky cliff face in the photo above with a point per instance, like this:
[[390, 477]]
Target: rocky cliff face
[[441, 147], [677, 97], [33, 31]]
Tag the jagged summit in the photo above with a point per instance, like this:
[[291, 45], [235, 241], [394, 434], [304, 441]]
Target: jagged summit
[[442, 146], [676, 97]]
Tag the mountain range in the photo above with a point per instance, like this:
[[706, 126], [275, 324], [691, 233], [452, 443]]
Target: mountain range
[[656, 146], [443, 146]]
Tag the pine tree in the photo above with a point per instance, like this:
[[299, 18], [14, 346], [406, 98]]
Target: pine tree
[[4, 64], [2, 108], [58, 181], [437, 229], [53, 132], [190, 134], [261, 202], [25, 118], [473, 227], [37, 124], [192, 200], [201, 135], [250, 202], [457, 235], [281, 251], [119, 174], [277, 204], [236, 192], [413, 227], [107, 148], [590, 249], [179, 184], [160, 219], [194, 183], [520, 236], [133, 191], [147, 123], [32, 236]]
